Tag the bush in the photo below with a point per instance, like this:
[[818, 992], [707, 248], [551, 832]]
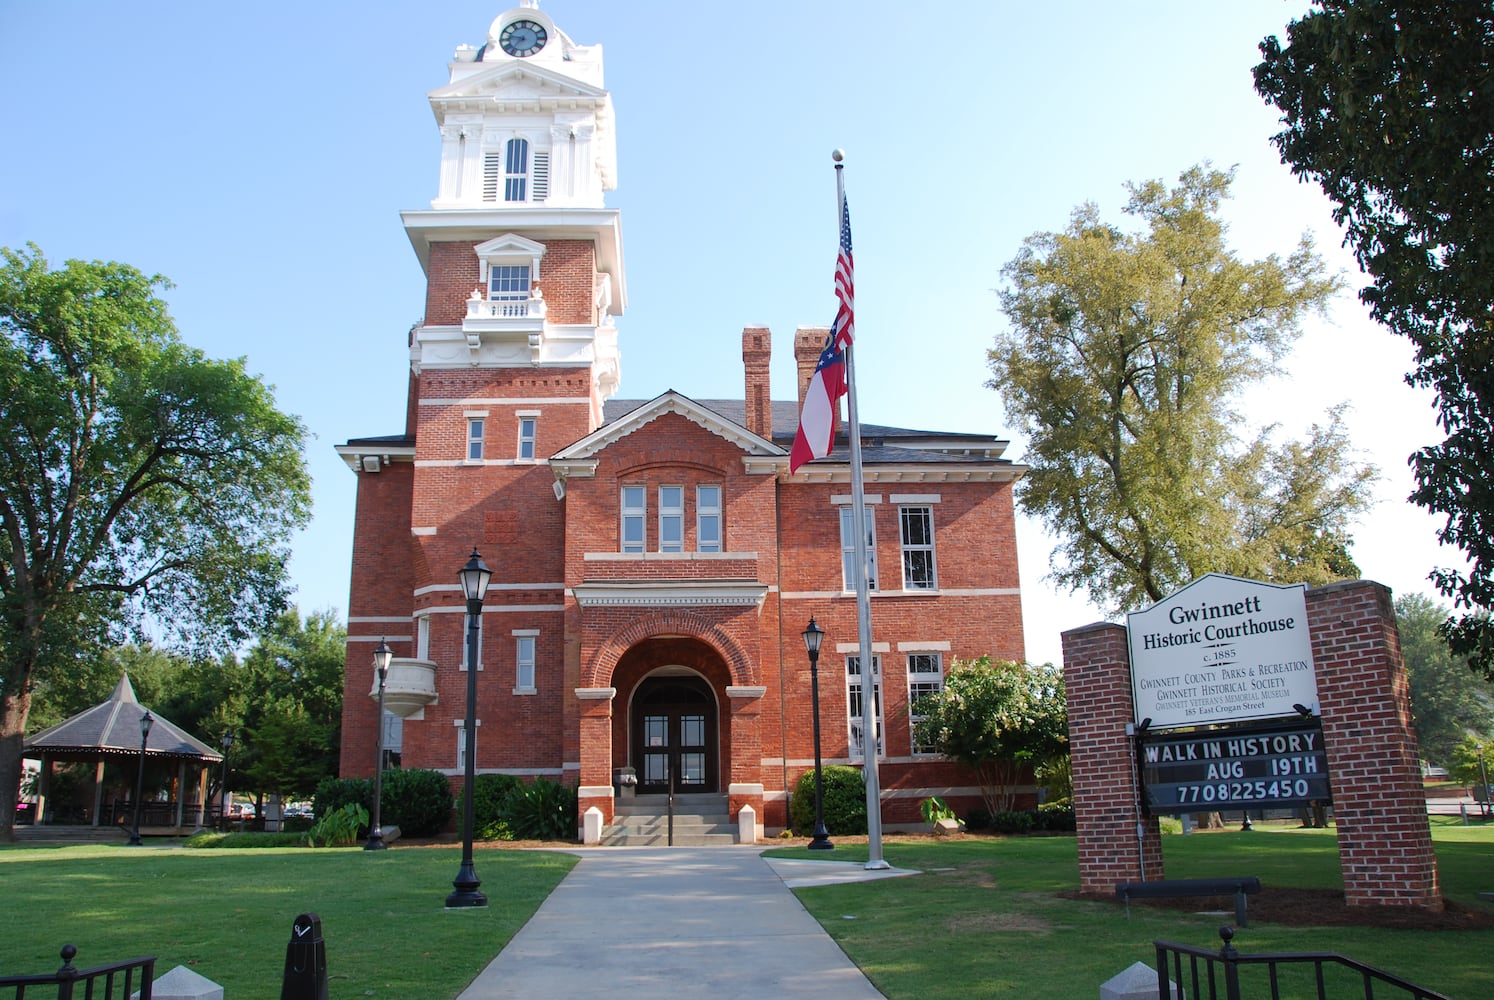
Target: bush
[[419, 801], [978, 818], [334, 793], [1057, 817], [489, 809], [845, 802], [540, 810], [1012, 821], [339, 828]]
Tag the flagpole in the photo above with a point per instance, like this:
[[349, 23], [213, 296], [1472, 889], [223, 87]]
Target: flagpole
[[865, 657]]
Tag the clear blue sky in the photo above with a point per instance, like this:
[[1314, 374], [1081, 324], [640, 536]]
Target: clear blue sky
[[259, 157]]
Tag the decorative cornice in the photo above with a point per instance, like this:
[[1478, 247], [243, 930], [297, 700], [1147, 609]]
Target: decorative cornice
[[674, 593]]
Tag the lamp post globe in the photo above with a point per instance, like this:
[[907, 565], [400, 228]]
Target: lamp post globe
[[813, 637], [381, 656], [223, 783], [475, 577], [145, 723]]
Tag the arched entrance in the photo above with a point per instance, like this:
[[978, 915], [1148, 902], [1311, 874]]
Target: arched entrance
[[674, 729]]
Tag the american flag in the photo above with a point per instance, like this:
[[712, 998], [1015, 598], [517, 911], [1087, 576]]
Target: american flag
[[816, 433]]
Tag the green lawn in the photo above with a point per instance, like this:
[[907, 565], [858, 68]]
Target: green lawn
[[985, 919], [227, 914]]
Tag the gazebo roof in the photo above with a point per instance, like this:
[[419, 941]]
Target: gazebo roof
[[113, 728]]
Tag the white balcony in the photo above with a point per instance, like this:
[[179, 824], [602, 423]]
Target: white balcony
[[410, 687]]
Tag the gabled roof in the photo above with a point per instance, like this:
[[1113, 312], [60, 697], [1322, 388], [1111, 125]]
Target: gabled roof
[[509, 81], [113, 727], [641, 414], [881, 443]]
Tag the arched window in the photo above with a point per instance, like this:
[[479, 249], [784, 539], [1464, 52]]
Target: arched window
[[516, 170]]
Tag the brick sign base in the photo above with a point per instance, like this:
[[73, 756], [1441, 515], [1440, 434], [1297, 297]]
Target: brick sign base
[[1379, 809]]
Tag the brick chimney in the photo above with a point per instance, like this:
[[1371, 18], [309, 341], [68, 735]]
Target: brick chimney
[[757, 348], [809, 341]]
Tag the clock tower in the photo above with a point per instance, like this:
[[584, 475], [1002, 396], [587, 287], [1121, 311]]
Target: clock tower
[[512, 361]]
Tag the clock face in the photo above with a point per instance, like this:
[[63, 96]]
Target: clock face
[[523, 38]]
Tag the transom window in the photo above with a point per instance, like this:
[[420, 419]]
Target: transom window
[[925, 678], [848, 549], [917, 525], [854, 719]]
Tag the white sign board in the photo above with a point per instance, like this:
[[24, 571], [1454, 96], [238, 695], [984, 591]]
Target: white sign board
[[1222, 649]]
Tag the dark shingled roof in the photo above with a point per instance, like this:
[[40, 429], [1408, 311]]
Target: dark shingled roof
[[113, 727]]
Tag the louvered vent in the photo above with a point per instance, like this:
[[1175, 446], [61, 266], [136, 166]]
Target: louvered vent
[[492, 175], [541, 176]]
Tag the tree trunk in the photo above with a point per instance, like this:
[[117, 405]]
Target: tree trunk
[[13, 711]]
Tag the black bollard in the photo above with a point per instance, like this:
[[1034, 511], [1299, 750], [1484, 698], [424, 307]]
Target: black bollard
[[305, 961]]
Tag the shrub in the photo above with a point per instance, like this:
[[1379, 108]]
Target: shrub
[[334, 793], [489, 812], [978, 818], [417, 801], [1056, 817], [540, 810], [340, 827], [1012, 821], [845, 802], [934, 809]]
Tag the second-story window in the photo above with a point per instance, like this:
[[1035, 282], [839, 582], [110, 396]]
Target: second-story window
[[848, 550], [526, 437], [474, 438], [708, 518], [524, 662], [671, 519], [917, 524], [633, 514]]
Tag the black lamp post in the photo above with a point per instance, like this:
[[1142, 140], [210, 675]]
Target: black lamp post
[[145, 721], [474, 576], [223, 784], [381, 657], [813, 636]]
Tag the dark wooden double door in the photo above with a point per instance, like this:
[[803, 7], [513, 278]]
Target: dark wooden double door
[[674, 735]]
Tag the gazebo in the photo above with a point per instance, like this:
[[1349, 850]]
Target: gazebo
[[109, 733]]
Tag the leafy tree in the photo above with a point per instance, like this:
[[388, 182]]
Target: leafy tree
[[1449, 700], [1389, 107], [138, 479], [996, 717], [1124, 355], [292, 704]]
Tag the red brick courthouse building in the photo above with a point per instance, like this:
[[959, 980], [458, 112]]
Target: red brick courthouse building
[[654, 562]]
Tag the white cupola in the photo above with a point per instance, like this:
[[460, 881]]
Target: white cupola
[[525, 121]]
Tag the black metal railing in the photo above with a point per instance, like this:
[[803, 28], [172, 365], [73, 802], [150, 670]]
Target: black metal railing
[[1217, 975], [98, 983]]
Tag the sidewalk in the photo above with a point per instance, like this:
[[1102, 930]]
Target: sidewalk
[[710, 922]]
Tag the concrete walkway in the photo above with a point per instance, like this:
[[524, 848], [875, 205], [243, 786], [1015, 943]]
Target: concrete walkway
[[680, 922]]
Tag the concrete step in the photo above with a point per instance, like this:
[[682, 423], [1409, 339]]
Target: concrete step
[[643, 821]]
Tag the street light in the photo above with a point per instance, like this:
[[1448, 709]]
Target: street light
[[223, 784], [813, 636], [145, 721], [474, 576], [381, 656]]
